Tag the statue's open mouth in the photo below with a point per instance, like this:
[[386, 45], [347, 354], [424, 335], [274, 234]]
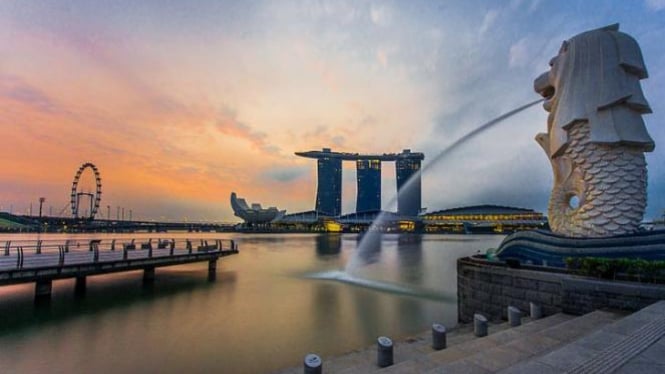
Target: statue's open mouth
[[543, 87]]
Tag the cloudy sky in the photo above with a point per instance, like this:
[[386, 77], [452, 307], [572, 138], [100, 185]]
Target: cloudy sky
[[181, 102]]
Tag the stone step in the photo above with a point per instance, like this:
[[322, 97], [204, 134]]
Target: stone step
[[509, 347], [364, 361], [504, 346], [415, 355], [410, 354], [611, 347]]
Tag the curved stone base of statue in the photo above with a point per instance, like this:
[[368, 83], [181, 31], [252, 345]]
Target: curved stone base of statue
[[609, 182], [546, 248]]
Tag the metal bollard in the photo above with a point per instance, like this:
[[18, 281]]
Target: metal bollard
[[384, 352], [536, 310], [514, 316], [312, 364], [479, 325], [438, 336]]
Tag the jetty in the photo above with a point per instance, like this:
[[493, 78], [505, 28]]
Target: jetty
[[43, 261]]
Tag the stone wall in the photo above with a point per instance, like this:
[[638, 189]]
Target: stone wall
[[488, 288]]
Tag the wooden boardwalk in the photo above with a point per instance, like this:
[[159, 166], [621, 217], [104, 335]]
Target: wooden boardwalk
[[43, 261]]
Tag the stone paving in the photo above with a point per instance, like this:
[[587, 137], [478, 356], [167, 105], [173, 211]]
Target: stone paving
[[599, 342]]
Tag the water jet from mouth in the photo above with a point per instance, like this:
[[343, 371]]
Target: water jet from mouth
[[372, 238]]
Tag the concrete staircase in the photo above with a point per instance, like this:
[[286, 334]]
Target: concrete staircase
[[505, 348], [598, 342], [634, 344]]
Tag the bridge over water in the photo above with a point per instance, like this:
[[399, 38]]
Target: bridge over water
[[70, 224], [43, 261]]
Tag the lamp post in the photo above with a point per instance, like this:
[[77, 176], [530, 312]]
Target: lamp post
[[41, 202]]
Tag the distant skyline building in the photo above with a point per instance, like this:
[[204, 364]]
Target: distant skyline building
[[368, 169], [329, 188], [409, 199], [368, 175]]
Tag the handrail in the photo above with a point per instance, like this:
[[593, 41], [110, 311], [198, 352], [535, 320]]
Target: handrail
[[61, 256], [59, 250]]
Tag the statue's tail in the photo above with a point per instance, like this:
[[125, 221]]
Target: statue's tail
[[610, 186]]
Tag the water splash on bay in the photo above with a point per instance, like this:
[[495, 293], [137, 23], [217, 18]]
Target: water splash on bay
[[393, 288]]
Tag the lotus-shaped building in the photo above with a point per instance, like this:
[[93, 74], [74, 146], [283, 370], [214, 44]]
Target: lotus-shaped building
[[254, 213]]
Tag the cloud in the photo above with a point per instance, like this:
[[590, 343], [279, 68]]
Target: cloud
[[519, 54], [325, 137], [520, 4], [655, 4], [381, 15], [488, 21], [229, 124], [338, 140], [19, 91], [285, 174], [382, 57], [534, 5]]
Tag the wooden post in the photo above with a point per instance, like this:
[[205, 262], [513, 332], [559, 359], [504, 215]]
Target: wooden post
[[79, 288], [61, 255], [43, 291], [148, 274], [212, 270], [19, 257]]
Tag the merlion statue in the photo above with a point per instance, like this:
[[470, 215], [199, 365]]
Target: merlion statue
[[596, 137]]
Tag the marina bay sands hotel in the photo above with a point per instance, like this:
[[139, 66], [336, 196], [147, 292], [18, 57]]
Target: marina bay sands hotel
[[329, 189]]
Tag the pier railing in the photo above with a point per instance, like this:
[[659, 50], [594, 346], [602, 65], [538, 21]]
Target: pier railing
[[19, 254], [43, 261]]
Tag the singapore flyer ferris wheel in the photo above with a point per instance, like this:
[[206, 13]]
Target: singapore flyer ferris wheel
[[93, 198]]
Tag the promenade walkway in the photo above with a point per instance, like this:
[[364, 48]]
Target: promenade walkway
[[599, 342]]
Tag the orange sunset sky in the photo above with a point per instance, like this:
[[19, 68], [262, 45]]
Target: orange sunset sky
[[180, 103]]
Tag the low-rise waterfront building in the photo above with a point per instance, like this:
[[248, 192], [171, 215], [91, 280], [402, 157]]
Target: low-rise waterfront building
[[483, 219]]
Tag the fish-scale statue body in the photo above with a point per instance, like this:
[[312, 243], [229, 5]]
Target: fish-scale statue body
[[596, 136]]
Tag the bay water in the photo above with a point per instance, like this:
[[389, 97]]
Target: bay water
[[265, 311]]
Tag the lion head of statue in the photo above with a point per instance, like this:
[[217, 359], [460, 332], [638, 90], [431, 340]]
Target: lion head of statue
[[595, 78]]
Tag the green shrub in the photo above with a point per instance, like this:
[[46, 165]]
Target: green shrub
[[609, 268]]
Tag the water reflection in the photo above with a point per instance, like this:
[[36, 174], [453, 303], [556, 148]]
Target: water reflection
[[104, 293], [410, 257], [328, 244], [326, 305]]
